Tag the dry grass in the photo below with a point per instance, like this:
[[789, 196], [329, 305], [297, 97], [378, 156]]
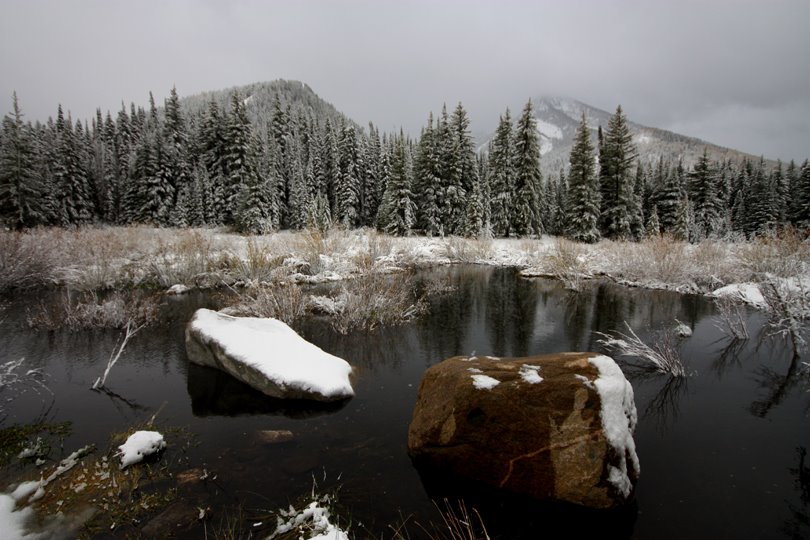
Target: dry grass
[[785, 254], [566, 262], [373, 301], [468, 250], [659, 258]]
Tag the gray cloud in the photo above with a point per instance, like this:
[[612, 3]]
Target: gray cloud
[[731, 72]]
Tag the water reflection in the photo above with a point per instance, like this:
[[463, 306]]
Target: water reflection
[[214, 393]]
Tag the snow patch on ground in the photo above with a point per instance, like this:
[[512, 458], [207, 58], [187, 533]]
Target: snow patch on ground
[[140, 445], [311, 522], [619, 419], [743, 292], [530, 374], [484, 382], [277, 352], [12, 521]]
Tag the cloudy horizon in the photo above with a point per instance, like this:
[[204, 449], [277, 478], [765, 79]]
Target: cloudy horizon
[[730, 72]]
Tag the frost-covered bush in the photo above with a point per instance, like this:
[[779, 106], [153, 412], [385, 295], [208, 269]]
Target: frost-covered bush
[[24, 261]]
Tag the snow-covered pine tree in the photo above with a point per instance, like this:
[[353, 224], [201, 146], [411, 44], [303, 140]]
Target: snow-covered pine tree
[[528, 180], [637, 204], [398, 212], [240, 160], [21, 188], [427, 183], [670, 196], [254, 212], [176, 155], [372, 194], [347, 189], [702, 187], [474, 215], [616, 185], [760, 203], [501, 171], [582, 208], [800, 194], [486, 194], [72, 184]]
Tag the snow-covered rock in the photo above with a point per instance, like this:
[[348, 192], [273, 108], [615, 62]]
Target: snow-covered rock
[[178, 289], [267, 355], [742, 292], [564, 436], [140, 445]]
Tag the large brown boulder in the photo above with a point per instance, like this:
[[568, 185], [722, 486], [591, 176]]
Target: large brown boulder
[[553, 427]]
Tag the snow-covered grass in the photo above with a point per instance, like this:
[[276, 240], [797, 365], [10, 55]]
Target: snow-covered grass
[[123, 257], [662, 356]]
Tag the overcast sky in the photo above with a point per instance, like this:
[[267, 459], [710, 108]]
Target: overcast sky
[[736, 73]]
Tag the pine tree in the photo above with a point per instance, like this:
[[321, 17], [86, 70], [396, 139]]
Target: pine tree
[[240, 162], [502, 182], [21, 188], [347, 188], [398, 212], [72, 184], [582, 208], [760, 204], [474, 214], [427, 182], [615, 160], [670, 196], [528, 180], [800, 193], [175, 136], [704, 196]]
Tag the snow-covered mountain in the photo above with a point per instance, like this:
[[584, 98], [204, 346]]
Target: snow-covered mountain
[[558, 119]]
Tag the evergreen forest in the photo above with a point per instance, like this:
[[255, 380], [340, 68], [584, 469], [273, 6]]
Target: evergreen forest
[[299, 164]]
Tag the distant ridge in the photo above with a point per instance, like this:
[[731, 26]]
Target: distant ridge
[[558, 118]]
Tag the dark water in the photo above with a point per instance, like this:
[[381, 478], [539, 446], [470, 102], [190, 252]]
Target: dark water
[[720, 452]]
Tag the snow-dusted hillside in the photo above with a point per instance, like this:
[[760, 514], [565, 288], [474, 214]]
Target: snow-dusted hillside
[[558, 118]]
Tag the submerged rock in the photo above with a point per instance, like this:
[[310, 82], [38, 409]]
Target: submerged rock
[[554, 427], [267, 355]]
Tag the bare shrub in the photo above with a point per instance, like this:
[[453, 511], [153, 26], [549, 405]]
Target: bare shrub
[[378, 245], [468, 250], [375, 300], [566, 262], [88, 310], [286, 303], [181, 261], [259, 265], [658, 258], [788, 306], [661, 357], [731, 318], [24, 262], [783, 255]]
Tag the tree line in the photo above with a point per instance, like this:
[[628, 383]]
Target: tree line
[[303, 169]]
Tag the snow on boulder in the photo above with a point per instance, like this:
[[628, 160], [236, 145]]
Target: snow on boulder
[[742, 292], [556, 427], [267, 355], [140, 445]]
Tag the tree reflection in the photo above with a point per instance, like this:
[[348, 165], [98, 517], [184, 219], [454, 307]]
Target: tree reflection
[[776, 386]]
